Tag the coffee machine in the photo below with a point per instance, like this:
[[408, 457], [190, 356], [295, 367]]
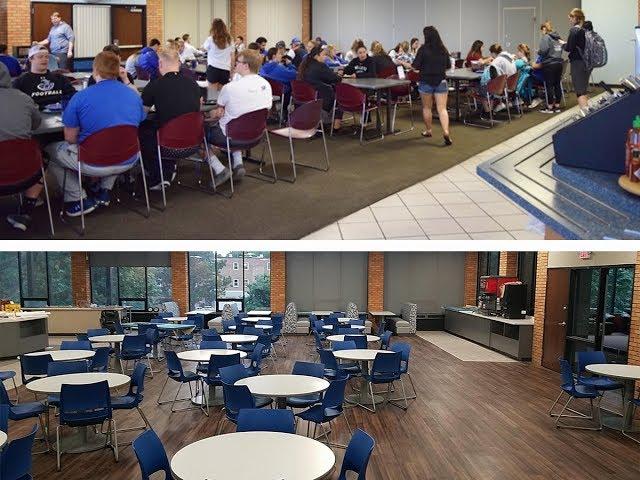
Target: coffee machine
[[490, 294], [514, 300]]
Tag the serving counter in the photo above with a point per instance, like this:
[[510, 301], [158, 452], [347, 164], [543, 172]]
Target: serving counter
[[71, 320], [23, 332]]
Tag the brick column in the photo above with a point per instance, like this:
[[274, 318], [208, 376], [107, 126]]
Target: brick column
[[15, 22], [470, 278], [306, 20], [238, 19], [539, 307], [375, 281], [634, 333], [80, 279], [509, 264], [180, 280], [155, 20], [278, 282]]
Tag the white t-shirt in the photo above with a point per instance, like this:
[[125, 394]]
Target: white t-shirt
[[218, 57], [189, 51], [248, 94], [504, 64]]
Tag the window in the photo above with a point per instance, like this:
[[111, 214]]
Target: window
[[104, 286], [235, 265], [227, 286], [202, 279], [488, 264], [246, 266], [10, 278], [246, 282], [257, 294], [527, 268], [235, 282], [138, 287]]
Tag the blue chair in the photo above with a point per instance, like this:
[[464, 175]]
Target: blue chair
[[133, 398], [15, 458], [64, 368], [22, 411], [330, 408], [310, 370], [212, 379], [82, 337], [152, 334], [85, 406], [318, 341], [601, 384], [359, 340], [10, 375], [211, 335], [151, 455], [236, 398], [260, 420], [382, 326], [252, 331], [385, 370], [385, 339], [352, 368], [33, 367], [357, 322], [348, 331], [213, 345], [230, 375], [226, 324], [265, 322], [568, 387], [356, 458], [177, 374], [75, 345], [96, 332], [4, 418], [134, 347], [100, 361], [635, 402], [404, 349], [197, 320], [331, 367], [255, 361], [118, 328]]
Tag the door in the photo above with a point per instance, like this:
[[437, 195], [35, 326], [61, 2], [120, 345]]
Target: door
[[41, 18], [555, 317], [127, 27], [519, 26]]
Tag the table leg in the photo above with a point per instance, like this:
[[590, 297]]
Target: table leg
[[616, 421], [457, 84], [214, 400], [389, 131], [363, 397], [281, 403], [83, 439]]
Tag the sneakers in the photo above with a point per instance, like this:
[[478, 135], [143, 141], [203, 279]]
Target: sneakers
[[103, 197], [500, 108], [238, 173], [535, 103], [19, 221], [72, 209], [158, 186], [222, 178], [548, 110]]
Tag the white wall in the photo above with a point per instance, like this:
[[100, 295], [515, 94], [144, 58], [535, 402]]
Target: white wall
[[598, 259], [193, 17], [274, 19]]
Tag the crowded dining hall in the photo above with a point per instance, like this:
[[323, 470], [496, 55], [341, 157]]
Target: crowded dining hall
[[125, 122], [305, 365]]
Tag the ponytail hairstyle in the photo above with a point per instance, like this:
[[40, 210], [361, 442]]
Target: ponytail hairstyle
[[547, 26], [524, 48], [578, 14], [311, 57]]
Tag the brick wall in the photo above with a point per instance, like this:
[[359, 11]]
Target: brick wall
[[238, 19], [15, 22], [180, 280], [155, 20], [80, 279], [3, 21], [470, 278], [634, 337], [306, 20], [375, 281], [278, 282], [539, 306], [509, 264]]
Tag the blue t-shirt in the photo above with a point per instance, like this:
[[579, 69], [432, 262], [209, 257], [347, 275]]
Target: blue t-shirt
[[12, 65], [59, 37], [108, 103]]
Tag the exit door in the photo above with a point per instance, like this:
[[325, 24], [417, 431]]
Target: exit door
[[519, 26]]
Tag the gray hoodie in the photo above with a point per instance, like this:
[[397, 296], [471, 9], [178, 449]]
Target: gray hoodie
[[19, 114], [550, 51]]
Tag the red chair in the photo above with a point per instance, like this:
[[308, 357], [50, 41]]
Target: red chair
[[387, 72], [21, 167], [302, 92], [401, 95], [414, 77], [181, 138], [106, 148], [245, 133], [496, 88], [304, 122], [142, 74], [352, 100], [277, 90], [512, 93]]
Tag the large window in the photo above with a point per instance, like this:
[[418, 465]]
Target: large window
[[217, 278], [138, 287], [527, 268], [488, 264], [36, 279]]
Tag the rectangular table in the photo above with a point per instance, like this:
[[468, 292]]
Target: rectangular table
[[377, 85], [382, 315], [462, 75], [51, 123]]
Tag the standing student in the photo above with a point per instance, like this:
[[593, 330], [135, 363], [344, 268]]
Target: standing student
[[433, 61], [60, 41], [575, 46], [220, 54], [550, 58], [11, 63], [362, 66]]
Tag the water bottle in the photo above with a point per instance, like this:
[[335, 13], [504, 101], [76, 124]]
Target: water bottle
[[453, 64]]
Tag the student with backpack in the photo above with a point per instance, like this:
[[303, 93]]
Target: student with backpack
[[550, 58], [576, 45]]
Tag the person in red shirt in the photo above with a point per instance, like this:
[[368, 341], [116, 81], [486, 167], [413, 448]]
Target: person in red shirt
[[475, 54]]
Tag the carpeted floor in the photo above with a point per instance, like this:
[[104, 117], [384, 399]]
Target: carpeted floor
[[359, 176]]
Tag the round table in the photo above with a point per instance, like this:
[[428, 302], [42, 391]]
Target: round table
[[340, 338], [357, 327], [364, 357], [114, 341], [3, 438], [84, 439], [628, 374], [238, 339], [346, 320], [253, 319], [280, 387], [273, 456], [176, 319], [64, 355]]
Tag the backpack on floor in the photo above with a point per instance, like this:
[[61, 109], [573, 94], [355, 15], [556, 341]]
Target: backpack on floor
[[595, 53]]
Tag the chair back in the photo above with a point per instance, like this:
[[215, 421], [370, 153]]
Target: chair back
[[350, 98], [512, 82], [266, 420], [20, 160], [497, 85], [589, 358], [197, 320], [257, 356], [348, 331], [4, 397], [306, 116], [328, 359], [359, 340], [100, 360], [137, 381], [96, 332], [150, 332], [399, 90], [248, 128], [216, 362], [151, 455], [134, 344], [4, 418], [110, 146], [265, 322], [75, 345], [91, 401], [404, 349], [213, 345], [236, 397], [117, 326], [385, 338], [386, 72], [337, 346], [226, 324], [210, 334], [252, 331], [16, 458], [309, 369], [277, 88], [413, 77], [358, 322], [386, 366], [34, 365], [318, 340], [302, 92], [334, 395], [357, 455], [183, 132], [65, 368], [82, 337], [232, 373], [566, 374], [173, 364]]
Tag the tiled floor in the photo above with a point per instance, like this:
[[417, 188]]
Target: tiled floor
[[454, 205]]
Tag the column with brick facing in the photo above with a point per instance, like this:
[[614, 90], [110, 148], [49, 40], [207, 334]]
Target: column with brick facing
[[539, 307], [80, 279], [375, 282], [306, 20], [509, 264], [15, 22], [180, 280], [470, 278], [238, 19], [155, 19], [278, 275], [634, 332]]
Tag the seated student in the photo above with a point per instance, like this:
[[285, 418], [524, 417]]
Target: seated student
[[19, 115], [171, 95], [401, 56], [248, 94], [353, 52], [239, 44], [108, 103], [298, 51], [130, 64], [44, 87], [502, 61], [262, 43], [148, 59], [525, 82], [11, 63], [382, 61], [333, 59], [185, 55], [276, 70], [475, 54], [362, 66], [188, 48], [315, 72], [124, 76]]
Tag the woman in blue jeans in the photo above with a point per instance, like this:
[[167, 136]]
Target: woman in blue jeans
[[433, 60]]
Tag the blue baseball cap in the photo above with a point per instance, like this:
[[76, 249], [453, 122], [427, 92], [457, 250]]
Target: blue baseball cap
[[296, 41]]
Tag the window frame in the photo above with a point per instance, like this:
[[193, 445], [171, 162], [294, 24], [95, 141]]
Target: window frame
[[123, 300]]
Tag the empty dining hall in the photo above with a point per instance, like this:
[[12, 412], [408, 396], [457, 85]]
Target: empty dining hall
[[319, 365], [237, 119]]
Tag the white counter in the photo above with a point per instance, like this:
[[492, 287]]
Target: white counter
[[22, 316], [527, 321]]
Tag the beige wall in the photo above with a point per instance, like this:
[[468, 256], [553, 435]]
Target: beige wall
[[193, 17], [571, 260], [274, 19]]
